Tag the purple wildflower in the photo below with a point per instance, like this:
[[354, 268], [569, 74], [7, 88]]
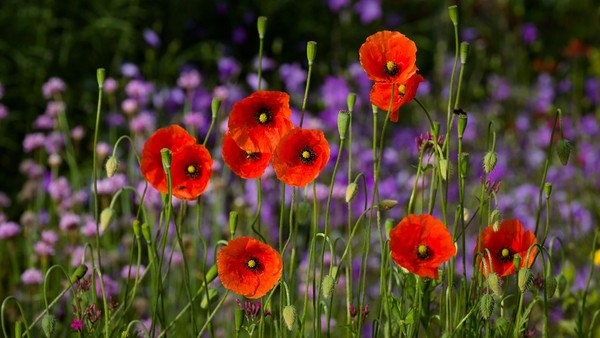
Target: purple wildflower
[[293, 76], [33, 141], [110, 85], [239, 35], [53, 108], [44, 121], [32, 276], [499, 87], [9, 230], [267, 63], [130, 271], [130, 70], [592, 90], [54, 86], [59, 189], [4, 200], [43, 249], [110, 185], [368, 10], [336, 5], [129, 106], [77, 324], [69, 221], [195, 119], [110, 287], [3, 111], [89, 226], [143, 122], [139, 90], [529, 33], [228, 67], [77, 133], [468, 34], [115, 120], [151, 38], [54, 142], [49, 236], [103, 149], [189, 79]]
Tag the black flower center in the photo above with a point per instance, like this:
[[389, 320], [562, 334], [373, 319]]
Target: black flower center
[[263, 116], [254, 265], [307, 155], [423, 252], [250, 156], [391, 68], [505, 255], [192, 171]]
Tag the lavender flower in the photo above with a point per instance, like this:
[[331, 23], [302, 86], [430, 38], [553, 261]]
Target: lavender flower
[[54, 142], [77, 133], [110, 185], [238, 35], [130, 70], [143, 122], [336, 5], [368, 10], [139, 90], [32, 276], [529, 33], [44, 121], [592, 90], [69, 221], [468, 34], [33, 141], [53, 87], [111, 287], [9, 230], [115, 120], [228, 68], [129, 106], [131, 271], [49, 236], [3, 111], [293, 76], [59, 189], [53, 108], [43, 249], [151, 38], [195, 120], [189, 79], [4, 200], [110, 85], [103, 149]]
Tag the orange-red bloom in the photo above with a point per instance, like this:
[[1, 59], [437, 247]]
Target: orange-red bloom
[[191, 168], [249, 267], [388, 57], [510, 239], [173, 138], [420, 244], [243, 163], [403, 94], [258, 122], [300, 156]]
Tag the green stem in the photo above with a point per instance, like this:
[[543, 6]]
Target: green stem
[[256, 219]]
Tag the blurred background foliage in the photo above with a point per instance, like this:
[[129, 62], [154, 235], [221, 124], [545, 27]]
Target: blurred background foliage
[[70, 39]]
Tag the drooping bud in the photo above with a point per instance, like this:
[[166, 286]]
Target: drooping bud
[[493, 283], [111, 166], [495, 219], [489, 161], [486, 306], [289, 316], [551, 285], [311, 51], [351, 100], [261, 25], [79, 273], [453, 13], [351, 191], [524, 279], [105, 219], [233, 218], [303, 213], [48, 325], [212, 273], [342, 123], [387, 204], [327, 286], [563, 149]]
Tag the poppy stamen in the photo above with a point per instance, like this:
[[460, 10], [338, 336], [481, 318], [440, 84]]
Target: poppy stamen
[[505, 255], [423, 251], [307, 155], [192, 171], [252, 156], [253, 264], [391, 68], [263, 116]]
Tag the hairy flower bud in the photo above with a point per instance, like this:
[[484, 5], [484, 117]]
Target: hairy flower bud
[[105, 219], [387, 204], [111, 166], [289, 316], [493, 283], [551, 285], [489, 161], [486, 306], [351, 192], [48, 325], [327, 286], [524, 279], [563, 149]]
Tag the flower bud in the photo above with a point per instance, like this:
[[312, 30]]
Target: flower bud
[[489, 161], [79, 273], [289, 316], [548, 189], [495, 219], [261, 25], [351, 100], [48, 325], [342, 123], [562, 284], [563, 149], [303, 213], [464, 52], [105, 219], [388, 225], [311, 51], [111, 166], [524, 279], [486, 306], [453, 13], [517, 261], [351, 192], [387, 204], [214, 107], [493, 283], [327, 286], [100, 75], [551, 285], [136, 228], [444, 170], [146, 233]]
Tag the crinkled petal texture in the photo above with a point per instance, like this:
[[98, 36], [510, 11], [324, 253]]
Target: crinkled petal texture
[[403, 94], [388, 57], [301, 156], [249, 280], [191, 168], [425, 232], [510, 239], [244, 164], [173, 138], [259, 121]]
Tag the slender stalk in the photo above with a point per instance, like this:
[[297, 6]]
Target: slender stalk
[[545, 172]]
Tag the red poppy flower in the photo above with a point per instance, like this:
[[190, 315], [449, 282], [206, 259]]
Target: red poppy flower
[[249, 267], [300, 156], [243, 163], [388, 57], [420, 244], [510, 239], [173, 138], [191, 167], [258, 122], [403, 94]]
